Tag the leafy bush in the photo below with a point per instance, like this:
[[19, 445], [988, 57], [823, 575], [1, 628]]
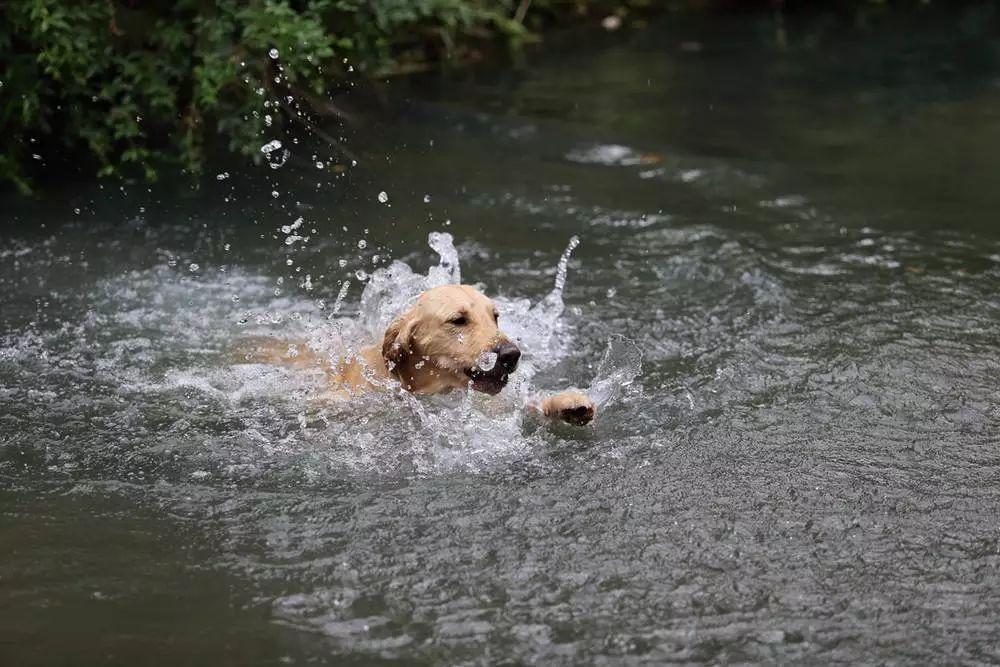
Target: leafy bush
[[129, 85], [133, 84]]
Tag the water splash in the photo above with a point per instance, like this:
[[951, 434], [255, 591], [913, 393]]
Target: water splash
[[538, 327], [486, 361], [275, 155], [448, 271], [620, 365], [168, 346], [390, 290]]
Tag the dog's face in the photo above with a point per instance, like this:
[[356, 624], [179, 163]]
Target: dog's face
[[447, 340]]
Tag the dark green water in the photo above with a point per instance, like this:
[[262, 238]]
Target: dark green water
[[800, 235]]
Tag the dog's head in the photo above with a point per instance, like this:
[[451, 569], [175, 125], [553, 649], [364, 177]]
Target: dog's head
[[448, 339]]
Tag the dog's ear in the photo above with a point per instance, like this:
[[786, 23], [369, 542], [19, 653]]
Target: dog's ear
[[397, 343]]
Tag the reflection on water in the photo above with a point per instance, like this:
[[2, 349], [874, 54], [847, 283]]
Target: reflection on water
[[804, 470]]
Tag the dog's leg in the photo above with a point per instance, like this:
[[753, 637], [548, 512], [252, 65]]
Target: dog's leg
[[568, 406]]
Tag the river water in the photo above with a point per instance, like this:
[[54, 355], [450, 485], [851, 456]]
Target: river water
[[794, 227]]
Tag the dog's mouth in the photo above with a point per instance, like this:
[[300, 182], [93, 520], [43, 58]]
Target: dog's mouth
[[489, 382]]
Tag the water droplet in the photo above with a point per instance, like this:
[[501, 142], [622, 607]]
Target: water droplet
[[273, 53], [319, 165], [361, 274], [427, 199], [342, 263], [223, 176], [612, 292], [268, 120], [275, 194], [226, 247], [362, 244], [486, 361], [193, 267], [77, 211], [383, 197], [236, 298], [288, 229], [270, 147], [278, 161]]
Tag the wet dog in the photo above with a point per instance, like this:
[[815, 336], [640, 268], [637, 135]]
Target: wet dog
[[450, 338]]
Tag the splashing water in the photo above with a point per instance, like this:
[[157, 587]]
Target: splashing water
[[165, 343], [275, 155], [486, 361], [620, 364], [539, 327], [448, 271]]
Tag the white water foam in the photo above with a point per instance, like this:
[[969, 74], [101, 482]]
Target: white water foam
[[156, 350]]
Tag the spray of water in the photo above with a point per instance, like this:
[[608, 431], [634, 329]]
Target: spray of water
[[162, 344]]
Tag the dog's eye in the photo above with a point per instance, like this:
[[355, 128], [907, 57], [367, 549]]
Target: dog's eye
[[496, 316], [459, 321]]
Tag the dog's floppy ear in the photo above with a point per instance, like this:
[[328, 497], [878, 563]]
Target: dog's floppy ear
[[397, 344]]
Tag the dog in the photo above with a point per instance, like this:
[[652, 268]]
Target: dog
[[449, 339]]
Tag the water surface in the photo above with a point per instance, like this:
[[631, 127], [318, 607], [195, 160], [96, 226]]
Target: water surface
[[798, 232]]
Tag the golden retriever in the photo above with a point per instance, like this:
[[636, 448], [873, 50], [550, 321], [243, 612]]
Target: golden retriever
[[448, 339]]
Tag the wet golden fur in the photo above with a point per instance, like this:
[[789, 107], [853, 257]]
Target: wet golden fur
[[433, 347]]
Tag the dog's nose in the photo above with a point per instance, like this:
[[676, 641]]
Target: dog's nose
[[507, 356]]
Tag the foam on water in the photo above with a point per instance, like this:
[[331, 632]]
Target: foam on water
[[157, 350]]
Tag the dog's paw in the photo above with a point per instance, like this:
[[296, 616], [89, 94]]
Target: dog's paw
[[571, 407]]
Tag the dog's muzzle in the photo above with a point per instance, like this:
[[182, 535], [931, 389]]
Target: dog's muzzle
[[492, 380]]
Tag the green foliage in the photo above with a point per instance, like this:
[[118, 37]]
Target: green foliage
[[133, 85]]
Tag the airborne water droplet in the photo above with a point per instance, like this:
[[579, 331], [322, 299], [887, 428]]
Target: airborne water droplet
[[273, 53], [270, 146], [362, 244], [486, 361], [383, 197]]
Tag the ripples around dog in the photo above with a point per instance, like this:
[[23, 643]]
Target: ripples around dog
[[158, 344]]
